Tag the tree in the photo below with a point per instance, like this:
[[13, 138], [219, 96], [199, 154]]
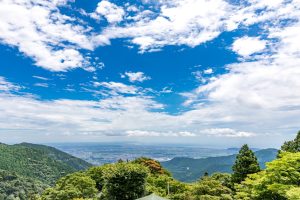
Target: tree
[[163, 184], [245, 163], [124, 181], [223, 178], [293, 145], [210, 188], [14, 186], [280, 180], [77, 185], [96, 173], [153, 165]]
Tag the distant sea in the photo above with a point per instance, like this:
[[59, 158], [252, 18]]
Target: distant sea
[[101, 153]]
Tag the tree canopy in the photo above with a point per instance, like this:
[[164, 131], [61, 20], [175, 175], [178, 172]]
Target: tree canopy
[[280, 180], [246, 163], [293, 145]]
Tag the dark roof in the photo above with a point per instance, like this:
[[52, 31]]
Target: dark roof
[[152, 197]]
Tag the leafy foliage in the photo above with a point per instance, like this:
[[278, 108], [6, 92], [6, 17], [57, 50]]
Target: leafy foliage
[[246, 163], [13, 186], [166, 186], [223, 178], [279, 181], [96, 173], [124, 181], [210, 188], [77, 185], [292, 146]]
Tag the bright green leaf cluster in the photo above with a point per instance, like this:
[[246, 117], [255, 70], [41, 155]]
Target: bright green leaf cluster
[[280, 180]]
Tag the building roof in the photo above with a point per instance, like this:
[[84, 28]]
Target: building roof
[[152, 197]]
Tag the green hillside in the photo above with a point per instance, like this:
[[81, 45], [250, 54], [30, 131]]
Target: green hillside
[[189, 169], [14, 186], [39, 162]]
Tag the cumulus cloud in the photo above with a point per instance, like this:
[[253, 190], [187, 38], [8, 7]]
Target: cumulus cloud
[[39, 30], [130, 116], [247, 46], [208, 71], [256, 94], [115, 114], [199, 21], [110, 11], [55, 40], [135, 76], [251, 97]]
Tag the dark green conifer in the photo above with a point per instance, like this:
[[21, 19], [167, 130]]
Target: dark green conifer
[[293, 145], [245, 163]]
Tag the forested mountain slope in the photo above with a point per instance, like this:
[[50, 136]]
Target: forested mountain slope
[[189, 169], [39, 162]]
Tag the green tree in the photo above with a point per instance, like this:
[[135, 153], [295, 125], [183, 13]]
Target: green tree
[[77, 185], [293, 145], [245, 163], [280, 180], [14, 186], [96, 173], [210, 188], [223, 178], [166, 186], [124, 181]]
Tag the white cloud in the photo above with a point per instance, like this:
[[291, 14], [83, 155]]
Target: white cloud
[[257, 95], [250, 98], [247, 46], [41, 78], [45, 85], [115, 114], [199, 21], [136, 76], [54, 40], [166, 90], [227, 132], [140, 133], [134, 116], [199, 76], [110, 11], [208, 71], [6, 86], [40, 31], [116, 88]]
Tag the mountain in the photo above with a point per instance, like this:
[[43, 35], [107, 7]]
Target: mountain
[[190, 169], [39, 162]]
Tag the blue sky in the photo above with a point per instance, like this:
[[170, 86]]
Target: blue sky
[[215, 73]]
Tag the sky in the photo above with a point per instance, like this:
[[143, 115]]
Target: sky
[[216, 73]]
